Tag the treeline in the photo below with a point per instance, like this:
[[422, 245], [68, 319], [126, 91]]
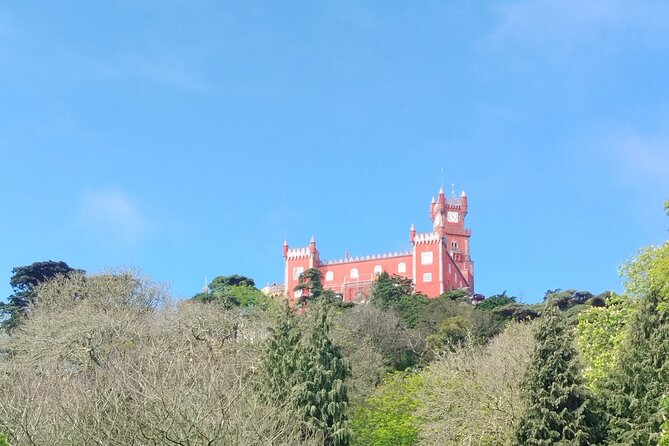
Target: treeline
[[112, 359]]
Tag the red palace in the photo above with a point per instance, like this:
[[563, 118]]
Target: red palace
[[438, 261]]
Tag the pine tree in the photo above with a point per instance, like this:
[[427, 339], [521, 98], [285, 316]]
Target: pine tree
[[310, 282], [559, 410], [635, 388], [280, 362], [321, 396]]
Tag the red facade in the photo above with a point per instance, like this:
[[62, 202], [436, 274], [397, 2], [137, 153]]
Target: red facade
[[437, 261]]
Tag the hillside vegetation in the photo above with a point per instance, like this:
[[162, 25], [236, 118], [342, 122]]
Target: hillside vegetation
[[111, 359]]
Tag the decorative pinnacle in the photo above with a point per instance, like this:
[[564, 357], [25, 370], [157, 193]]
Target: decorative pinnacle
[[412, 227], [441, 190], [433, 200], [463, 194], [453, 189], [313, 240], [285, 242]]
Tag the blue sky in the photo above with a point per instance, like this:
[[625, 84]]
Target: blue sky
[[191, 138]]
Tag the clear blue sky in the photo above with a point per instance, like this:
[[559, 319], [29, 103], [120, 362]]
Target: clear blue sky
[[190, 138]]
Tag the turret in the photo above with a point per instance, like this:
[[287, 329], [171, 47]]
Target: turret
[[412, 234], [285, 249], [463, 202], [432, 205], [312, 245]]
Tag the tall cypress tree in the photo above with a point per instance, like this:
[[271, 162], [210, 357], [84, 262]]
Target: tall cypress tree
[[635, 388], [559, 410], [321, 396], [280, 363]]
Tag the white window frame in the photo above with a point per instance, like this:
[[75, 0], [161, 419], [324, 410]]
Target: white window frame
[[401, 267], [427, 277], [378, 269], [298, 293], [297, 270], [426, 258], [354, 273], [329, 276]]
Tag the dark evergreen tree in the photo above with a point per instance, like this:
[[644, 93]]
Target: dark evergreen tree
[[560, 409], [635, 388], [279, 367], [24, 280], [388, 290], [310, 283], [321, 393]]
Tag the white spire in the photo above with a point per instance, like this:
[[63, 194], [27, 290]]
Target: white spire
[[312, 239], [413, 228], [441, 190], [463, 194]]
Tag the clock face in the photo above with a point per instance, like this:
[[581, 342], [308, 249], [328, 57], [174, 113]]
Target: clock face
[[452, 217]]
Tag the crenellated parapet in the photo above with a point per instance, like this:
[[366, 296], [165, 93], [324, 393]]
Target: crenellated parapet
[[388, 255], [298, 253], [426, 237]]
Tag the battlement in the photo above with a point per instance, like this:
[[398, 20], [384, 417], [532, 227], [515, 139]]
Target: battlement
[[298, 253], [388, 255], [426, 237]]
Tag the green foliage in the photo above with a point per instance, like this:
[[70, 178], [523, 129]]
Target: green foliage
[[497, 300], [321, 396], [310, 282], [560, 409], [600, 333], [452, 333], [387, 290], [234, 291], [388, 417], [3, 440], [517, 312], [410, 308], [24, 280], [222, 282], [649, 270], [280, 361], [664, 439], [635, 387]]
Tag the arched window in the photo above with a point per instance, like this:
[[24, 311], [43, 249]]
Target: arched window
[[378, 269], [454, 245], [354, 273], [402, 267], [329, 276]]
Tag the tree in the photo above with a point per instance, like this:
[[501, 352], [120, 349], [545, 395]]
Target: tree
[[388, 290], [635, 388], [280, 361], [600, 333], [221, 282], [560, 409], [474, 395], [310, 283], [109, 360], [388, 417], [497, 300], [321, 392], [24, 280]]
